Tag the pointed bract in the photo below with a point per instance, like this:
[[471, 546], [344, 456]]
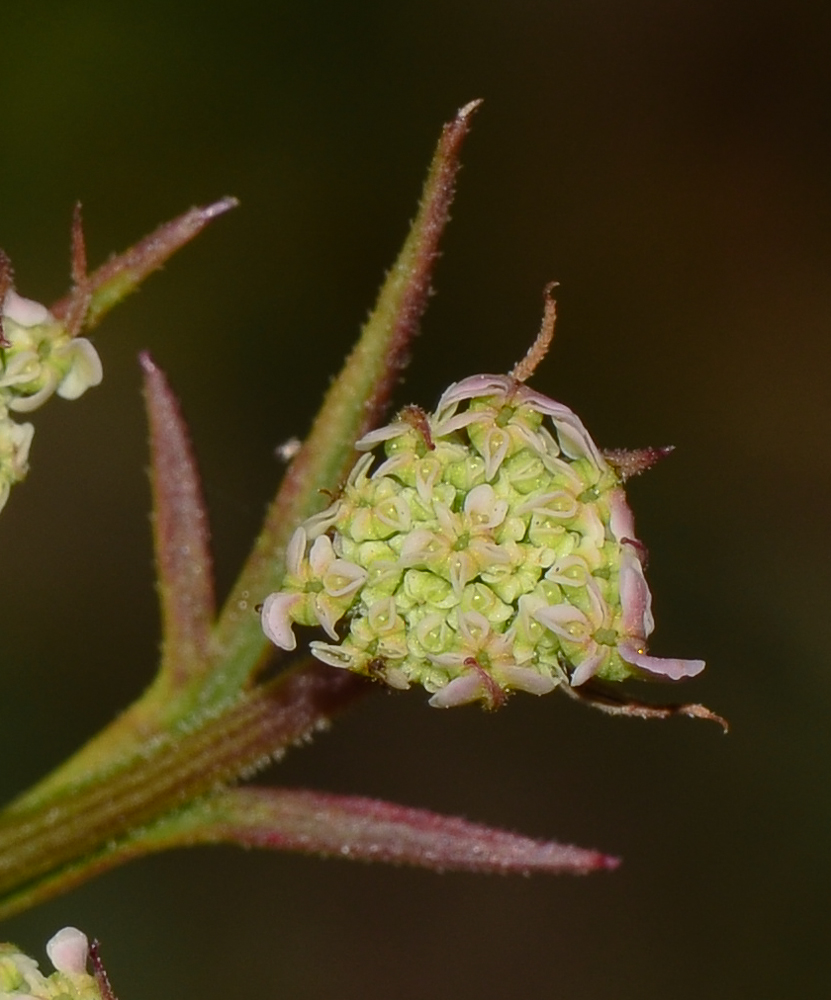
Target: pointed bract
[[180, 534], [122, 274], [628, 463], [6, 283], [362, 829]]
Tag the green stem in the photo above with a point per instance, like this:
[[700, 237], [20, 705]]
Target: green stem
[[35, 842]]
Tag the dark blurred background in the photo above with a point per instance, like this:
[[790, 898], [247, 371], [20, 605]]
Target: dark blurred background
[[668, 163]]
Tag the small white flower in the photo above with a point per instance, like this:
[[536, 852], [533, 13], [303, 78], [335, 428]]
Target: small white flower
[[319, 590]]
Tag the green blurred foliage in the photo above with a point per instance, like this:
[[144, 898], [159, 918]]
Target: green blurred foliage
[[668, 163]]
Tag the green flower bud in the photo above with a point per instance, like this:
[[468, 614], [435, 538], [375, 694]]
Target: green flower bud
[[491, 549]]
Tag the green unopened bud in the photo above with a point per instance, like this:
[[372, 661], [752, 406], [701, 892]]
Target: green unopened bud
[[68, 950], [486, 552]]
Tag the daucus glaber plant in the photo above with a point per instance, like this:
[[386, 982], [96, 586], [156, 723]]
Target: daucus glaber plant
[[490, 549]]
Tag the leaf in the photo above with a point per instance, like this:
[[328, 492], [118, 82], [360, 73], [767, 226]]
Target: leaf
[[337, 826], [353, 405], [122, 274], [180, 535], [363, 829]]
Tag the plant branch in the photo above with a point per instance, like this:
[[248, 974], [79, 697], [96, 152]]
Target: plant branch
[[84, 817]]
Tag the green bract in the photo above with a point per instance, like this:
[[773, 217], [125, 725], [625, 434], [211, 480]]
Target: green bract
[[492, 549]]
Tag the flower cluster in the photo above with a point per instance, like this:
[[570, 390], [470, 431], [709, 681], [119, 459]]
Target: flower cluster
[[20, 978], [492, 549], [38, 357]]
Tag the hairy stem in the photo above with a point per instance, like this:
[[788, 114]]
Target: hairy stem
[[177, 770]]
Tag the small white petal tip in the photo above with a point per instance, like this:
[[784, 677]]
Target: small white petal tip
[[24, 312], [68, 950]]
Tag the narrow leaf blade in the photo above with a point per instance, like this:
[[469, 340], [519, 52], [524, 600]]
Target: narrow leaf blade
[[180, 535], [348, 827], [365, 829], [353, 405]]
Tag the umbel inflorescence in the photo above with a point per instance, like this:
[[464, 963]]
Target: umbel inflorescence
[[490, 548]]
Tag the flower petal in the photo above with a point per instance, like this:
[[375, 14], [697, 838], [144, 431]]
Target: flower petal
[[635, 597], [460, 691], [589, 667], [296, 551], [621, 519], [473, 386], [276, 620], [68, 950], [558, 617], [634, 652], [85, 370], [321, 555], [25, 312], [527, 679], [387, 433]]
